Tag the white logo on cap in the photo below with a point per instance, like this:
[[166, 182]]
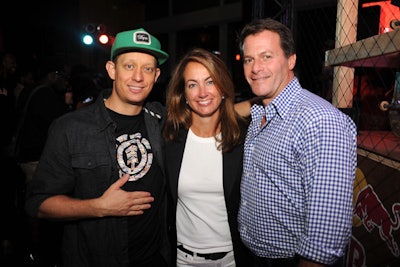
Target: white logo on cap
[[142, 38]]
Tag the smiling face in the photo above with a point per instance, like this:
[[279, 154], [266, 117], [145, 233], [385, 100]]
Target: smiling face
[[134, 75], [201, 93], [266, 68]]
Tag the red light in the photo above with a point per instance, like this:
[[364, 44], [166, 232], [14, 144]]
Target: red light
[[103, 39]]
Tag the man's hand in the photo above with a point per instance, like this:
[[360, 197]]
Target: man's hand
[[118, 202], [114, 202]]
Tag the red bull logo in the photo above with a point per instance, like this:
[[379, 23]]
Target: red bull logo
[[370, 213], [373, 214], [356, 257]]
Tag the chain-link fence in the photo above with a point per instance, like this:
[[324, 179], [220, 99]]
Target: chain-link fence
[[349, 53]]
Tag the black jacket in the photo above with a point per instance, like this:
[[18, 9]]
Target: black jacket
[[232, 172], [80, 150]]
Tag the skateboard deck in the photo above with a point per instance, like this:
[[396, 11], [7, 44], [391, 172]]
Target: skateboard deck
[[393, 107]]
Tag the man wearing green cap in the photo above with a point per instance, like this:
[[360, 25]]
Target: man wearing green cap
[[102, 171]]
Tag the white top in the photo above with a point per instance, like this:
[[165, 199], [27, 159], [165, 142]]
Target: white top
[[201, 217]]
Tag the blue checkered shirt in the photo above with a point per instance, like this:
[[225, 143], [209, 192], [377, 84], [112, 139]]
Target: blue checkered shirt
[[297, 184]]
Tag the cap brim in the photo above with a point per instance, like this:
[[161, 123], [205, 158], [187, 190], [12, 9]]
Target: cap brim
[[159, 55]]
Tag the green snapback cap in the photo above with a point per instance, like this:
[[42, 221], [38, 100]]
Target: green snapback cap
[[138, 40]]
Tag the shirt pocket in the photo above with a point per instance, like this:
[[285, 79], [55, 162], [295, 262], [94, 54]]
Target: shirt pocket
[[92, 173]]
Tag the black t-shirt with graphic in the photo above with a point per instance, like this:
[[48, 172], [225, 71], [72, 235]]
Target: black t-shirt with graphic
[[135, 156]]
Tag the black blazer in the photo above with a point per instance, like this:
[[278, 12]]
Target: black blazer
[[232, 172]]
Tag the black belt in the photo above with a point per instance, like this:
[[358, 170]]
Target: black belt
[[207, 256]]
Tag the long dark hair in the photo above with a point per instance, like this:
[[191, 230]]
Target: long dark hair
[[179, 113]]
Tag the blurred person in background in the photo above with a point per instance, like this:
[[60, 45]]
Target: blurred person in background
[[11, 173], [84, 86], [50, 99]]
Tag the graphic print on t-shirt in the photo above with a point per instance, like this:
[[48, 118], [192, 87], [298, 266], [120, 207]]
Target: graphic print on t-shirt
[[134, 155]]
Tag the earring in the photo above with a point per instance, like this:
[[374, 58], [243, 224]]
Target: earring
[[223, 97], [187, 102]]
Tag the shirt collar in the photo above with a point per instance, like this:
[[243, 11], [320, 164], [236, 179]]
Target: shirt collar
[[280, 105], [284, 101]]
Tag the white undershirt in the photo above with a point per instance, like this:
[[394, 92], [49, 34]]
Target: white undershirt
[[201, 217]]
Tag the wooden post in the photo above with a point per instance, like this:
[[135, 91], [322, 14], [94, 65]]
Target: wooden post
[[346, 33]]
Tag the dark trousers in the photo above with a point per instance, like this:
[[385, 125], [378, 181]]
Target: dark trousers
[[156, 261], [287, 262], [268, 262]]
